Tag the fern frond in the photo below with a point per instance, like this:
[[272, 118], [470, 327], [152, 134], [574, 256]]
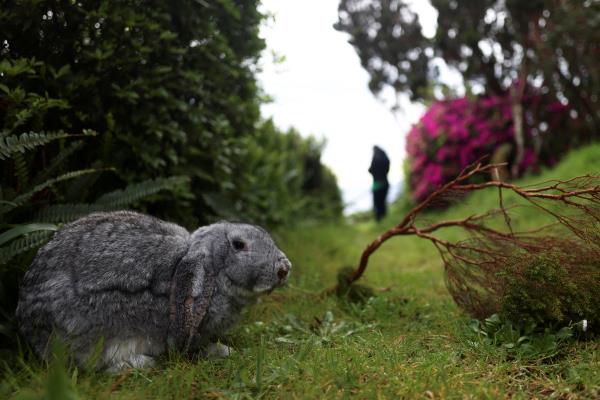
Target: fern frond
[[21, 170], [21, 199], [25, 229], [57, 162], [23, 244], [80, 188], [61, 213], [137, 191], [12, 144]]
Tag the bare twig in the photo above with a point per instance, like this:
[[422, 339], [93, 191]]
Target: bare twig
[[581, 193]]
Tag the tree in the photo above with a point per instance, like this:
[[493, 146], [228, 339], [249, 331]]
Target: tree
[[551, 45], [387, 36]]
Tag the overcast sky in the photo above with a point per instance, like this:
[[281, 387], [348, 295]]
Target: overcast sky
[[321, 89]]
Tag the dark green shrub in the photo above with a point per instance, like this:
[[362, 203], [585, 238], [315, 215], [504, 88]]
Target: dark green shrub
[[279, 178], [552, 288], [169, 86], [543, 281]]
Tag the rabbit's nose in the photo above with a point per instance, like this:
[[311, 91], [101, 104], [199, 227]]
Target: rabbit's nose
[[282, 272], [283, 268]]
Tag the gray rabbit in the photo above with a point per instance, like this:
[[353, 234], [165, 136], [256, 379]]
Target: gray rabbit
[[142, 286]]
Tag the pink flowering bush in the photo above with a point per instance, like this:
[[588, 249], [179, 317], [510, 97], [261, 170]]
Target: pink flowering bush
[[454, 133]]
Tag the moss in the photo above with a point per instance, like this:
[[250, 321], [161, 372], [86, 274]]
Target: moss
[[558, 287]]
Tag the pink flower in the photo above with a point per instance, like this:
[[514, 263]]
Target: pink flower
[[556, 107], [528, 159], [454, 133], [433, 175], [444, 153]]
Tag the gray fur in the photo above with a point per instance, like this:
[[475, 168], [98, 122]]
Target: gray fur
[[143, 285]]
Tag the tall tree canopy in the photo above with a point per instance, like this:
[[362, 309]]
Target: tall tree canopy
[[552, 45]]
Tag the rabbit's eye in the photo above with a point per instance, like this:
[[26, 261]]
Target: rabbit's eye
[[238, 244]]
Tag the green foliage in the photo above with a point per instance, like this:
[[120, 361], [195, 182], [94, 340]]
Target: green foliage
[[573, 35], [524, 340], [279, 178], [375, 28], [115, 200], [324, 330], [135, 192], [26, 193], [19, 237], [170, 86], [548, 289], [59, 386], [24, 243], [27, 141], [23, 198], [24, 230]]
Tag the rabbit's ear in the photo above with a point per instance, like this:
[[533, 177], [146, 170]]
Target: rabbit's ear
[[191, 290]]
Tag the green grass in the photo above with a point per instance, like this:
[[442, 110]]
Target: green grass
[[410, 341]]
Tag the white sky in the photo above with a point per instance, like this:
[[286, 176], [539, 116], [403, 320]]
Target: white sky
[[321, 89]]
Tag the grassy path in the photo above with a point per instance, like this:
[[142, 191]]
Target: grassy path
[[410, 341]]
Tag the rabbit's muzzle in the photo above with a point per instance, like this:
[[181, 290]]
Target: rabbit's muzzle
[[283, 269]]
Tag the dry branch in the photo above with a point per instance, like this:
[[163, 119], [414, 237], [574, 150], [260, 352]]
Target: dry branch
[[472, 265]]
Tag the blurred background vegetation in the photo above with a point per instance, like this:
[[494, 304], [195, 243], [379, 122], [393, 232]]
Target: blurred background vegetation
[[529, 73], [170, 89]]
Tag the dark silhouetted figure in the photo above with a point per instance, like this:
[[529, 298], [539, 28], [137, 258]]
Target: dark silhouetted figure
[[380, 166]]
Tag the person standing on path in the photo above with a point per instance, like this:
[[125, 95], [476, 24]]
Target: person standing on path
[[380, 166]]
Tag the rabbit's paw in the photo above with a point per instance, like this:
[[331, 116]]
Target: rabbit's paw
[[218, 350], [135, 361]]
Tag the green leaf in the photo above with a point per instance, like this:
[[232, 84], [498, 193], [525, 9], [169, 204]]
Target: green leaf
[[21, 230], [57, 162], [12, 144], [168, 35], [21, 169], [67, 212], [26, 141], [64, 70], [23, 244], [21, 199], [564, 333], [137, 191]]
